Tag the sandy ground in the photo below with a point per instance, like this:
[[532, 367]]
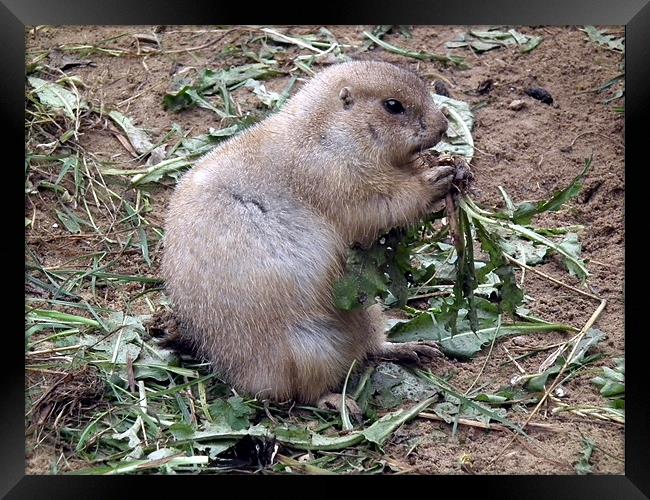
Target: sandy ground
[[530, 152]]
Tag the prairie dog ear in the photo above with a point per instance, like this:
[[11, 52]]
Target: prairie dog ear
[[346, 96]]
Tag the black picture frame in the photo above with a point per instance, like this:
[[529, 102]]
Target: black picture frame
[[15, 15]]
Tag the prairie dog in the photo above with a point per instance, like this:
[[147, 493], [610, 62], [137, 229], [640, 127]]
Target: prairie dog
[[257, 231]]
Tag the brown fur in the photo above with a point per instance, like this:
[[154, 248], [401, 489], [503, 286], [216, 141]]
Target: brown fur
[[257, 231]]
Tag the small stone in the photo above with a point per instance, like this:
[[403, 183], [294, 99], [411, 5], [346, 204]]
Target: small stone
[[516, 105], [560, 391]]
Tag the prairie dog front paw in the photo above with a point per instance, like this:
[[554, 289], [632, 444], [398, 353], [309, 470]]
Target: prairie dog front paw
[[439, 180]]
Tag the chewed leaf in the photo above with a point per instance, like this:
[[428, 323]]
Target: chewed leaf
[[211, 80], [458, 138], [510, 294], [137, 137], [268, 98], [482, 41], [374, 272], [391, 385]]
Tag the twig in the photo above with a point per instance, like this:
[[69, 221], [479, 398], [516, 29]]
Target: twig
[[492, 427], [54, 350], [554, 280], [429, 295], [514, 361], [345, 419], [191, 49], [125, 101], [536, 454], [494, 337], [550, 390], [596, 133]]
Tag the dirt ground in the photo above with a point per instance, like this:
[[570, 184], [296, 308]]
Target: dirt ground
[[530, 152]]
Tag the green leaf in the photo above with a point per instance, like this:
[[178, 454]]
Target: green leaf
[[612, 383], [40, 315], [490, 398], [89, 432], [524, 250], [601, 38], [201, 144], [422, 327], [54, 96], [210, 82], [531, 44], [510, 295], [583, 466], [538, 383], [157, 363], [69, 222], [215, 448], [159, 170], [268, 98], [181, 431], [180, 100], [235, 76], [346, 293], [365, 279], [382, 429], [233, 412], [571, 245], [477, 214], [589, 340], [525, 212], [123, 342], [465, 344], [377, 32], [454, 396]]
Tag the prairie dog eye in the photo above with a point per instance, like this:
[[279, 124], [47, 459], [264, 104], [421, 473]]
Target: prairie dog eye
[[393, 106]]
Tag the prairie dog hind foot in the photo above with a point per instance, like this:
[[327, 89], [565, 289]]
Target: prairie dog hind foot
[[334, 401], [409, 352]]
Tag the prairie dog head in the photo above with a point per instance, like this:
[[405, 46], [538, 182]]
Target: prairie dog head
[[374, 110]]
